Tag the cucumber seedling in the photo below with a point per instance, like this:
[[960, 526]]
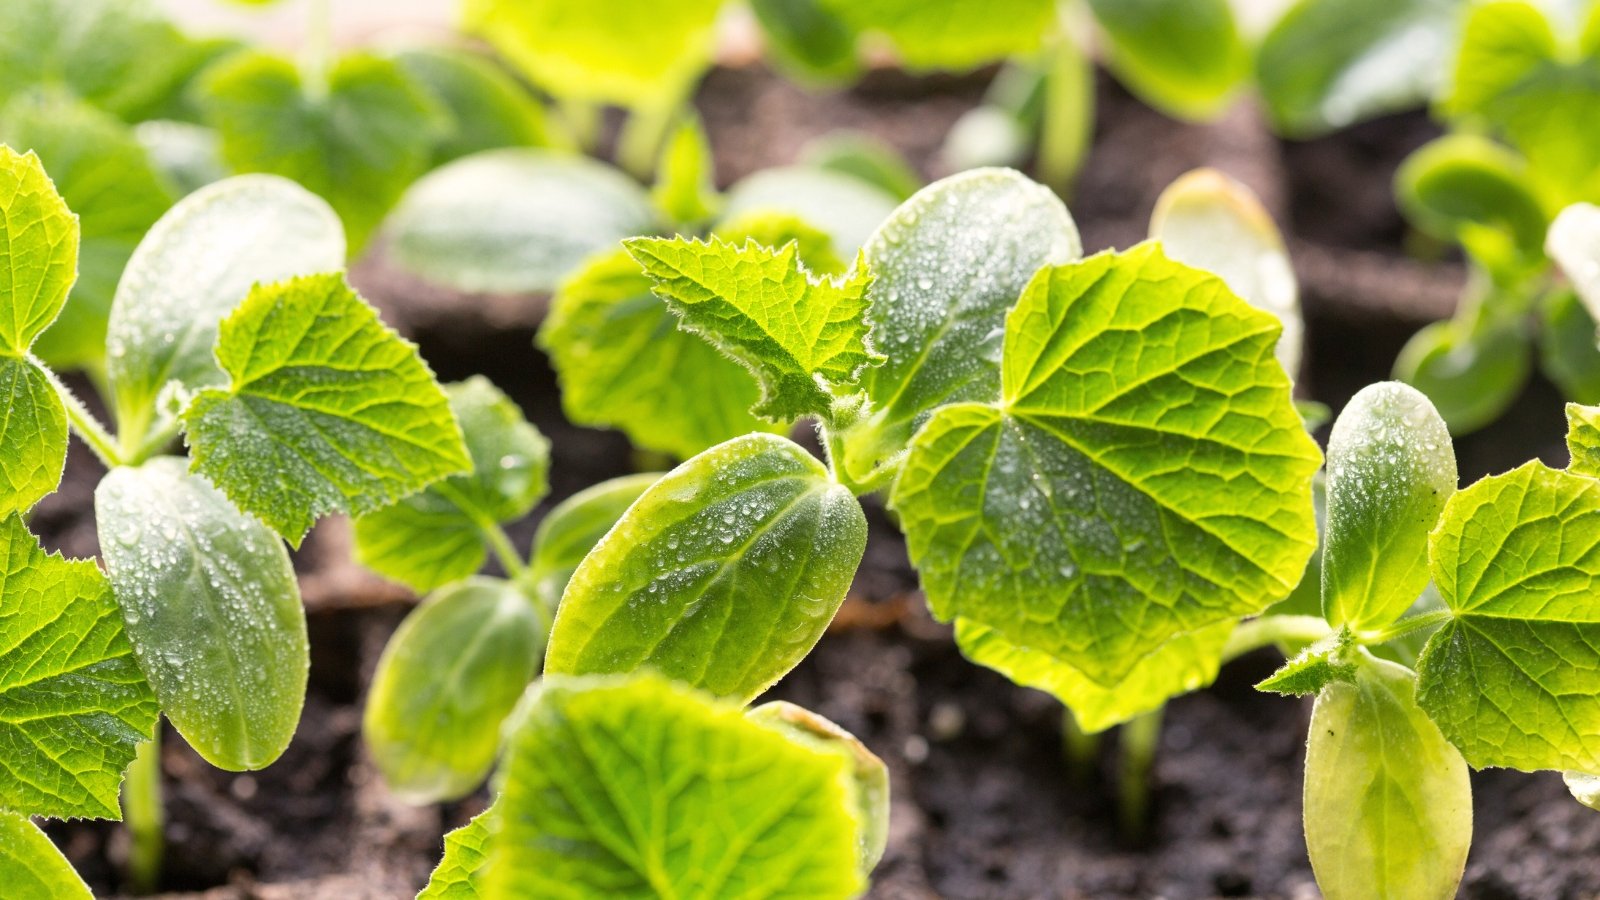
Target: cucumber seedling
[[295, 401]]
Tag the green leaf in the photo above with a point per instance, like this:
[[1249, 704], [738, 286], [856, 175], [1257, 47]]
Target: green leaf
[[31, 867], [105, 176], [608, 51], [1144, 475], [685, 191], [624, 362], [846, 207], [1573, 243], [487, 108], [609, 786], [514, 221], [1187, 662], [1314, 668], [187, 156], [1465, 188], [462, 873], [1388, 803], [445, 683], [1583, 439], [211, 607], [38, 251], [803, 338], [73, 705], [193, 268], [1207, 220], [1472, 375], [436, 535], [864, 157], [1330, 63], [1391, 467], [570, 531], [806, 40], [946, 267], [1513, 679], [950, 35], [120, 55], [328, 409], [722, 575], [1584, 788], [1183, 56], [1568, 354], [38, 256], [1514, 76], [33, 438], [870, 775], [357, 141]]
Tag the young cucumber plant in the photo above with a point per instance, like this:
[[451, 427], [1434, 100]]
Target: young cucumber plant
[[1518, 154], [295, 401]]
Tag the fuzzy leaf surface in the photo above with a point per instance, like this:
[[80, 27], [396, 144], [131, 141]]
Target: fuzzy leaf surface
[[436, 535], [1391, 467], [462, 872], [1144, 475], [328, 410], [107, 179], [801, 336], [31, 867], [643, 788], [445, 684], [212, 609], [194, 267], [946, 267], [1388, 803], [38, 251], [73, 704], [1513, 679], [722, 575], [625, 363]]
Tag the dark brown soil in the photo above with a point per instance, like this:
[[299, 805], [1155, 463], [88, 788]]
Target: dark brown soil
[[984, 804]]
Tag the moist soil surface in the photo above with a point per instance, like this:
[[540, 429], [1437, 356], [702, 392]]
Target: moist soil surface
[[985, 804]]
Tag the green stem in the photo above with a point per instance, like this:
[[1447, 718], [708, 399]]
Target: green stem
[[1067, 123], [1270, 630], [582, 123], [833, 446], [639, 145], [154, 443], [504, 550], [1404, 627], [1078, 746], [317, 55], [94, 434], [143, 815], [1139, 738]]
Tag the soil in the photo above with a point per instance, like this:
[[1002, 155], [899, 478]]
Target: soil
[[985, 805]]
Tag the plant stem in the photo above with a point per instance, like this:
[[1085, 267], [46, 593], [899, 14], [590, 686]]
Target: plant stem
[[582, 120], [94, 434], [1067, 120], [1139, 739], [317, 55], [1078, 746], [642, 135], [1269, 630], [143, 815], [1404, 627], [504, 550], [153, 443]]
